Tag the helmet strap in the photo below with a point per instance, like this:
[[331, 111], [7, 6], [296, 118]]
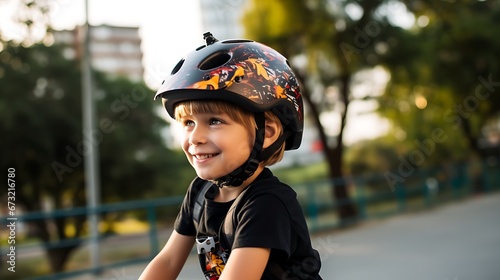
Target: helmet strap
[[248, 168], [269, 151]]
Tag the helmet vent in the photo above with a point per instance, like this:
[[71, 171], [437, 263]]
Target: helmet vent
[[177, 67], [215, 61], [236, 41]]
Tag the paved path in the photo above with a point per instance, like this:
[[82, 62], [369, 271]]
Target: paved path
[[458, 241]]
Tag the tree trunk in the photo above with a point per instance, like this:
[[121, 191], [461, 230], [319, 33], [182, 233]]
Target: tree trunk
[[346, 209], [58, 257], [472, 141]]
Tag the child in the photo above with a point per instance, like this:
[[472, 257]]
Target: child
[[240, 107]]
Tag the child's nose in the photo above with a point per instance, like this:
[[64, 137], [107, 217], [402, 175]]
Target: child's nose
[[197, 136]]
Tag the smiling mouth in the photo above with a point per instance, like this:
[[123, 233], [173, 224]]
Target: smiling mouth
[[201, 157]]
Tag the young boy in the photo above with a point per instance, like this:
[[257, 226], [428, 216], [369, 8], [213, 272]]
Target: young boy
[[240, 107]]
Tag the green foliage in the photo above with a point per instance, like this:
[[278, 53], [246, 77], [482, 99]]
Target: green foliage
[[35, 116], [452, 62], [365, 158], [296, 175], [449, 60], [43, 139]]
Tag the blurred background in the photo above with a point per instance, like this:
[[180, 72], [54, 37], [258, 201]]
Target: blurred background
[[401, 144]]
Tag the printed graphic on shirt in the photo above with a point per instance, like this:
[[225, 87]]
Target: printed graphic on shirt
[[213, 257]]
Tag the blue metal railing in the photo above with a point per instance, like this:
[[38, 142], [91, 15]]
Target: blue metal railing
[[370, 194]]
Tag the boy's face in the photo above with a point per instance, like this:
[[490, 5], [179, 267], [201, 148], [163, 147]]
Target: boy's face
[[214, 144]]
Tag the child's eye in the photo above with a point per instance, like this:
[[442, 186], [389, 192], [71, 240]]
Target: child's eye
[[215, 121], [188, 123]]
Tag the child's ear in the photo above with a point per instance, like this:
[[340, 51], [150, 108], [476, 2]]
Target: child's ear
[[272, 132]]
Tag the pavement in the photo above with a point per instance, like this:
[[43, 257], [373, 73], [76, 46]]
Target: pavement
[[456, 241]]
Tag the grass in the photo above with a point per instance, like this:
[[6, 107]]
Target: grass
[[36, 264], [25, 268], [300, 174]]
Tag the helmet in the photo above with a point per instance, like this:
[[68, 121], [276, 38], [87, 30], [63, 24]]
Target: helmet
[[242, 72], [245, 73]]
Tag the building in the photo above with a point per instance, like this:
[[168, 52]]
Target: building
[[113, 50]]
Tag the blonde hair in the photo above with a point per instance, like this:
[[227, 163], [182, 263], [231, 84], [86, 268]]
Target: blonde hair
[[237, 114]]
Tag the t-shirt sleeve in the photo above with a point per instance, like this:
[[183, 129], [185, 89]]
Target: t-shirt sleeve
[[264, 221], [184, 222]]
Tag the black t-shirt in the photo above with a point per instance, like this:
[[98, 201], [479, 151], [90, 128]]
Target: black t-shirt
[[268, 215]]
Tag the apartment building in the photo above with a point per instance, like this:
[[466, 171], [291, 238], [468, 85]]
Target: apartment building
[[115, 50]]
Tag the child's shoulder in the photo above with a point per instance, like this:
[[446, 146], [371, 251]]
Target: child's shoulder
[[265, 195], [270, 184]]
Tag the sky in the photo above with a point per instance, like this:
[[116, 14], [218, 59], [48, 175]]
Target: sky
[[168, 29]]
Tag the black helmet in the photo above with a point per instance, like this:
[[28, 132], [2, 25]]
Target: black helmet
[[248, 74]]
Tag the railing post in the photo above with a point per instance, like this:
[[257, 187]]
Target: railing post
[[485, 184], [153, 232], [458, 180], [312, 206], [430, 189], [401, 196], [361, 197]]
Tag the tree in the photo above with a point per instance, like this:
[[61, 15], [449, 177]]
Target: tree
[[37, 125], [30, 23], [42, 137], [448, 60], [337, 39]]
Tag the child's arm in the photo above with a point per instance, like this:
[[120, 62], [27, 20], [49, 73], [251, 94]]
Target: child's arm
[[246, 263], [170, 260]]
